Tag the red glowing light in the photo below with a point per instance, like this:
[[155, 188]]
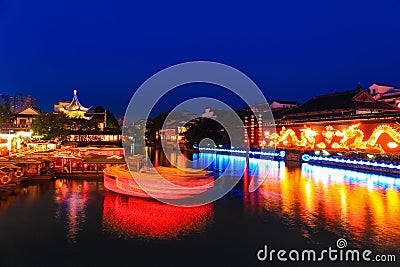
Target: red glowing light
[[369, 136], [135, 217]]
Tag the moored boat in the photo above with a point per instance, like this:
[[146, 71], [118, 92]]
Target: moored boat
[[159, 182], [10, 174]]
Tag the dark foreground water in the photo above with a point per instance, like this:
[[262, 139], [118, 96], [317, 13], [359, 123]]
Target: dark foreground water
[[77, 223]]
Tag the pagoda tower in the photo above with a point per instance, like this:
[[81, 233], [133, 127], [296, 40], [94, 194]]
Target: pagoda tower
[[75, 109]]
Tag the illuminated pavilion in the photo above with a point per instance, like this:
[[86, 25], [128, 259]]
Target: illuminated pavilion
[[75, 109]]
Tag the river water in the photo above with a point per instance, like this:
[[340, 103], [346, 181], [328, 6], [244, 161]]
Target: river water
[[77, 222]]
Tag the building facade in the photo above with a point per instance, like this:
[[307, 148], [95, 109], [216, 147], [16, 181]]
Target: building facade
[[73, 109], [18, 102], [21, 102], [345, 121], [24, 118], [282, 104], [385, 93]]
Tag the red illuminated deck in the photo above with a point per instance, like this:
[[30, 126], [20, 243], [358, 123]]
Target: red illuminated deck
[[183, 183]]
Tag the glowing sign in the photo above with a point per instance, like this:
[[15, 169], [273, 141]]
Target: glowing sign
[[94, 138], [376, 138], [392, 145]]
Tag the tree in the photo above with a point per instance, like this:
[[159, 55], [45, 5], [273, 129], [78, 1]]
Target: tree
[[78, 124], [50, 126], [111, 121], [5, 113], [207, 128]]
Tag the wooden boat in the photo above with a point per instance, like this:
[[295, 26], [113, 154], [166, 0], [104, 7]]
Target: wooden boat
[[10, 174], [159, 182]]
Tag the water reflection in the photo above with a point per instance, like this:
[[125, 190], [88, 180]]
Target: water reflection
[[320, 203], [71, 197], [363, 207], [28, 192], [216, 162], [130, 217]]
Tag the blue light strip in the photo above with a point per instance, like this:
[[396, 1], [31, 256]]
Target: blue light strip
[[341, 175], [280, 154], [307, 158]]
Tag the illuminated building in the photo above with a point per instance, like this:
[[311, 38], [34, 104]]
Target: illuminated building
[[346, 121], [253, 131], [74, 109], [59, 106], [169, 137], [108, 136], [208, 113], [338, 104], [172, 137], [3, 147], [385, 93], [105, 151], [13, 140], [24, 118], [172, 131], [85, 164], [282, 104], [20, 102], [41, 146], [29, 165], [255, 124]]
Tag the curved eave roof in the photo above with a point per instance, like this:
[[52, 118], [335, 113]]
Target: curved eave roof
[[75, 105]]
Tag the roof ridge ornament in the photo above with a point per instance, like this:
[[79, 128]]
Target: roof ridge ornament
[[75, 108]]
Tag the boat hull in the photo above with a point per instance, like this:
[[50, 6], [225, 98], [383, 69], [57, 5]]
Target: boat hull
[[152, 185]]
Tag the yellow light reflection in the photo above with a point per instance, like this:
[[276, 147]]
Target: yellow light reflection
[[362, 205], [368, 137]]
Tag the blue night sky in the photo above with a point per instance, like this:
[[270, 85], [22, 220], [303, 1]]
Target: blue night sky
[[293, 50]]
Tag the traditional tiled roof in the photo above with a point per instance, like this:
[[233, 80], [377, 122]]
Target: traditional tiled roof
[[343, 100], [37, 110], [347, 100], [75, 104], [382, 84], [389, 96], [284, 102], [75, 109], [373, 105]]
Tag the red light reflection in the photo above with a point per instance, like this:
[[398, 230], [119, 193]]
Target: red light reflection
[[134, 217]]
